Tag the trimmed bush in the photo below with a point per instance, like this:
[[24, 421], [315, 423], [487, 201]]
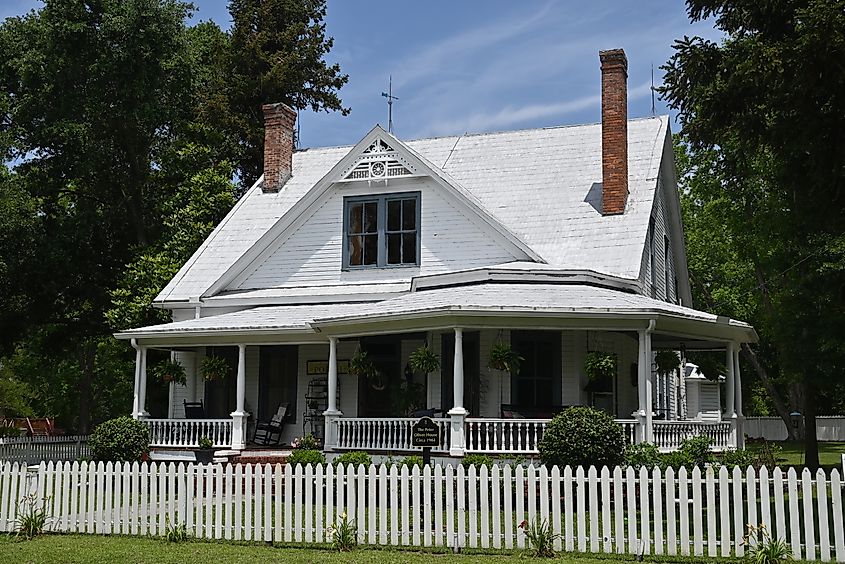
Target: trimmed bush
[[582, 436], [642, 455], [121, 440], [740, 457], [697, 451], [411, 461], [306, 457], [355, 458], [477, 460]]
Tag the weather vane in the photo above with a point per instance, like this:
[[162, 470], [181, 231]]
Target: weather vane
[[390, 97]]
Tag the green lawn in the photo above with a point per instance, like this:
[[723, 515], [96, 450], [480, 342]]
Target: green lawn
[[94, 549], [830, 454]]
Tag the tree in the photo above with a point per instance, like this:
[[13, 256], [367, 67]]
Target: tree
[[277, 54], [771, 97]]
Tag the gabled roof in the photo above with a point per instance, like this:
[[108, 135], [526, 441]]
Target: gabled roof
[[542, 186]]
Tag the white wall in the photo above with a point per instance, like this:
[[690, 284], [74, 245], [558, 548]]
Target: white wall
[[312, 253], [661, 228]]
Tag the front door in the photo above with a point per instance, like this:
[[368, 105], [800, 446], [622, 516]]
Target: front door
[[536, 389], [472, 373], [375, 395], [220, 394], [277, 375]]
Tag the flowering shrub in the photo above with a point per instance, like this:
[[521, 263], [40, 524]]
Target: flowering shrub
[[541, 537], [308, 442], [344, 535]]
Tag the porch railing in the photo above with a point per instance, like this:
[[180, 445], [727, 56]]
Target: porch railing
[[668, 435], [511, 436], [390, 434], [629, 428], [186, 433]]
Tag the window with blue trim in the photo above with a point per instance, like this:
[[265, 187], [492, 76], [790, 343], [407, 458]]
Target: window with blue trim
[[381, 231]]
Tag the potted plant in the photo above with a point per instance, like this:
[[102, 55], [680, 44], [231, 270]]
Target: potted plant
[[205, 454], [424, 360], [169, 371], [666, 362], [503, 357], [362, 366], [214, 368], [600, 365]]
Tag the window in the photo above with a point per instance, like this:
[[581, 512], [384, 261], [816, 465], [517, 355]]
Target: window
[[381, 231]]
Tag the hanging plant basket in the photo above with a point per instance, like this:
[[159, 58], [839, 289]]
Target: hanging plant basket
[[214, 368], [666, 362], [600, 365], [168, 371], [504, 358], [424, 360], [362, 366]]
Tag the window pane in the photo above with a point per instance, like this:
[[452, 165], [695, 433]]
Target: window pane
[[370, 249], [409, 248], [394, 248], [394, 215], [356, 251], [371, 217], [409, 214], [355, 214]]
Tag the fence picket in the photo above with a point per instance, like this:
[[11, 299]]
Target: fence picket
[[631, 491], [296, 493], [331, 496], [280, 495], [361, 505], [724, 513], [683, 510], [472, 501], [416, 507], [836, 503], [373, 503], [438, 505], [780, 520], [483, 499], [739, 524], [308, 488], [809, 518], [710, 487], [228, 523], [556, 515], [451, 532], [618, 509], [751, 489], [593, 497], [405, 510], [645, 519], [794, 527], [697, 528], [256, 505], [319, 503], [520, 502], [657, 492], [219, 512], [765, 499], [238, 493], [394, 505], [268, 501], [671, 522], [821, 498], [581, 511]]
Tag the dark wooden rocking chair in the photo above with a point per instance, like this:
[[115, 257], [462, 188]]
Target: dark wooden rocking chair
[[194, 410], [270, 432]]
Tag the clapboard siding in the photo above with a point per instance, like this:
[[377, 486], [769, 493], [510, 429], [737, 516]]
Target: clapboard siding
[[661, 229], [312, 252]]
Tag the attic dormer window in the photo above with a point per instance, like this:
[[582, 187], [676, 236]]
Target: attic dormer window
[[381, 231]]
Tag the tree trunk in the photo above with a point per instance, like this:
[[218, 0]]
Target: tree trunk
[[88, 348], [780, 406], [811, 440]]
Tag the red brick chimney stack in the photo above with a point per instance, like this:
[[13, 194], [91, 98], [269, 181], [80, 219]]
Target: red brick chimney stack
[[614, 131], [279, 121]]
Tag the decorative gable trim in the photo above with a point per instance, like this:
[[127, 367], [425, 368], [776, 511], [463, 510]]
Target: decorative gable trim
[[378, 162], [377, 142]]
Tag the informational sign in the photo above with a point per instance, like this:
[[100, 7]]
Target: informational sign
[[425, 433], [321, 367]]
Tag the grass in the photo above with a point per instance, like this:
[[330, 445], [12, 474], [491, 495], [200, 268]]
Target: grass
[[830, 453], [94, 549]]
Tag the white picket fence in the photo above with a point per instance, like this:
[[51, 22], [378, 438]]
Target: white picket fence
[[32, 450], [618, 511]]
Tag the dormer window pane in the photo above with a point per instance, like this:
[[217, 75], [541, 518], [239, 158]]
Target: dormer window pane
[[382, 230]]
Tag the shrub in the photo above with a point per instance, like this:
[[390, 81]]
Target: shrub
[[411, 461], [308, 442], [582, 436], [10, 432], [477, 460], [676, 460], [122, 440], [205, 443], [354, 458], [306, 457], [740, 457], [697, 450], [642, 455]]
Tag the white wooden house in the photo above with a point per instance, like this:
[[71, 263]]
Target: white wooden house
[[556, 241]]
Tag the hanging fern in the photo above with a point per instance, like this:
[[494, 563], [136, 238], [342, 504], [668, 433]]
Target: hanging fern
[[600, 365], [214, 368], [503, 357], [424, 360], [666, 362], [170, 371], [362, 365]]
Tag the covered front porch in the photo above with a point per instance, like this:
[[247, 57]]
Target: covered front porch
[[479, 409]]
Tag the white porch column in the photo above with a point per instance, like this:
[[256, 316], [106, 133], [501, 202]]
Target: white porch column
[[730, 388], [644, 385], [136, 399], [740, 418], [457, 444], [239, 416], [332, 413], [142, 384], [649, 389]]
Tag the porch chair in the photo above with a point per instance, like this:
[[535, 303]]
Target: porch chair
[[194, 409], [270, 432]]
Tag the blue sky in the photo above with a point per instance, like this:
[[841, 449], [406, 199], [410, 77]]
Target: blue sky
[[474, 66]]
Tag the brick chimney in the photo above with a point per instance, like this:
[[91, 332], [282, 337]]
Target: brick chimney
[[614, 131], [279, 121]]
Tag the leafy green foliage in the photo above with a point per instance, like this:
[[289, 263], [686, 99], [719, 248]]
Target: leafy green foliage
[[176, 532], [739, 457], [600, 365], [762, 548], [205, 443], [424, 360], [30, 517], [344, 534], [477, 461], [503, 357], [308, 442], [667, 361], [642, 455], [121, 440], [693, 452], [541, 538], [582, 436], [353, 458], [305, 457], [168, 371], [214, 367], [412, 460]]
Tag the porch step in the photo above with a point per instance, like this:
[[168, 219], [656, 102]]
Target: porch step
[[262, 457]]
